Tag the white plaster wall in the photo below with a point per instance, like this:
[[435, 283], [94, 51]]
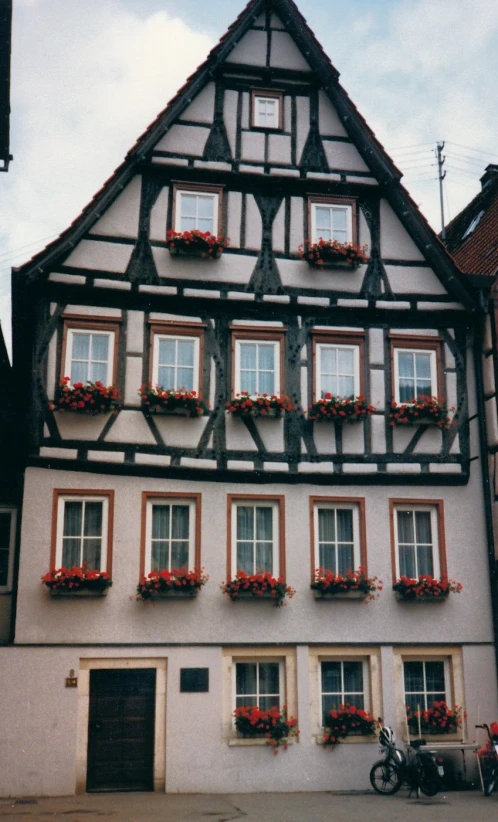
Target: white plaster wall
[[296, 223], [184, 140], [330, 124], [100, 256], [158, 216], [121, 218], [297, 274], [201, 109], [280, 149], [395, 240], [413, 280], [230, 117], [285, 53], [344, 156], [253, 146], [278, 228], [228, 269], [303, 123], [254, 227], [251, 50], [234, 217]]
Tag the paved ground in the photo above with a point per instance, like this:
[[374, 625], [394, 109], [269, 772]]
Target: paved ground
[[283, 807]]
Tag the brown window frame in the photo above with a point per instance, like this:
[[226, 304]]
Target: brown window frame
[[317, 199], [438, 504], [333, 337], [336, 502], [242, 333], [83, 492], [274, 95], [422, 343], [279, 499], [110, 324], [178, 186], [173, 329], [192, 496]]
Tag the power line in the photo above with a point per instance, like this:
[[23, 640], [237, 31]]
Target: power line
[[469, 148]]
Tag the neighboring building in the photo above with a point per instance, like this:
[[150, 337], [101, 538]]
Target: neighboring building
[[5, 50], [262, 145], [10, 494]]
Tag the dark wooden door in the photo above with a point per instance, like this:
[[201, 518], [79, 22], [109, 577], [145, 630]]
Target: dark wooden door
[[121, 730]]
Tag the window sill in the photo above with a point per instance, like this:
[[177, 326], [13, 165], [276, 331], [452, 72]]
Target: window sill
[[318, 595], [181, 593], [83, 594], [349, 740], [253, 742], [416, 600], [171, 412], [248, 595], [194, 252]]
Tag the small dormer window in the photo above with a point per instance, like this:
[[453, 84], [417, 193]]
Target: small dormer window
[[473, 225], [267, 110]]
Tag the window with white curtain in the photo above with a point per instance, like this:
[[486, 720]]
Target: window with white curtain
[[7, 542], [170, 534], [259, 682], [415, 374], [255, 537], [331, 221], [89, 355], [426, 681], [196, 210], [337, 370], [342, 681], [416, 536], [266, 111], [176, 361], [257, 366], [82, 524], [337, 536]]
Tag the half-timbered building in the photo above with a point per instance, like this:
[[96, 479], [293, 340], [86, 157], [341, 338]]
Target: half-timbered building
[[264, 146]]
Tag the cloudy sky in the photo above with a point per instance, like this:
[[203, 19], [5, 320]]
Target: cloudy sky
[[89, 76]]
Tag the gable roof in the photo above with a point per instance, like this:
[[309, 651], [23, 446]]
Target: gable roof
[[472, 236], [373, 153]]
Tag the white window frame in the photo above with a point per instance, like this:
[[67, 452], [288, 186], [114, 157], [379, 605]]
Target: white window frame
[[252, 503], [315, 237], [447, 678], [337, 506], [256, 341], [180, 192], [257, 661], [61, 503], [366, 680], [261, 97], [192, 505], [434, 512], [433, 366], [101, 332], [320, 346], [7, 509], [158, 337]]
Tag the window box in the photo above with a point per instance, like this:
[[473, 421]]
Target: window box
[[425, 589], [333, 254], [263, 406], [257, 586], [196, 244], [77, 582], [91, 398], [423, 411], [350, 585], [348, 720], [340, 409], [171, 585], [273, 725], [178, 402]]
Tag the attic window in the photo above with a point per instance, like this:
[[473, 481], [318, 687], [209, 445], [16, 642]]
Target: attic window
[[267, 109], [197, 208], [473, 225]]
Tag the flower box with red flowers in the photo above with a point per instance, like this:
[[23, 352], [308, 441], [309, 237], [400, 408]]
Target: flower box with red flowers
[[345, 721], [340, 409], [351, 585], [85, 398], [273, 725], [422, 411], [257, 586], [175, 401], [267, 406], [425, 589], [179, 584], [438, 719], [332, 253], [196, 244], [77, 582], [489, 752]]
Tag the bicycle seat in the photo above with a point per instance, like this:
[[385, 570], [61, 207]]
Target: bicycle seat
[[417, 743]]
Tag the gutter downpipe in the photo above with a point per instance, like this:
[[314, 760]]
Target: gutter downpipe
[[487, 490]]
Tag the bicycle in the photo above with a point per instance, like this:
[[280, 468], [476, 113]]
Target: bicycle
[[420, 771], [488, 762]]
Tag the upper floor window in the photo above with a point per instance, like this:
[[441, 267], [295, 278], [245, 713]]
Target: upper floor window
[[267, 109], [257, 360], [337, 361], [82, 530], [418, 539], [332, 220], [89, 352], [176, 357], [416, 368], [256, 535], [336, 530], [197, 208], [7, 542], [171, 538]]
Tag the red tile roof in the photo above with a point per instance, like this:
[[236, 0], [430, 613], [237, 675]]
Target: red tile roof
[[476, 251]]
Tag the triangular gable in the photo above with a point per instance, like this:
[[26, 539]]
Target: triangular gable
[[198, 97]]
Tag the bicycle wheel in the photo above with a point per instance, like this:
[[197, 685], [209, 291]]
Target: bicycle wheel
[[385, 777], [490, 778], [428, 777]]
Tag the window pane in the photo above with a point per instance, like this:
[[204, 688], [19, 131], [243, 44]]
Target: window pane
[[180, 525], [331, 677], [405, 527], [425, 560], [322, 217], [167, 352], [81, 347], [186, 352], [423, 526], [328, 359], [73, 517], [245, 557], [264, 557], [345, 387], [326, 525], [166, 377], [353, 677], [185, 379], [188, 205], [407, 565], [4, 567], [414, 677], [248, 356], [100, 347], [79, 372], [93, 519], [346, 360], [4, 531], [97, 372], [339, 218], [160, 521], [205, 206], [245, 522], [187, 224], [423, 366], [266, 357], [264, 523], [71, 552], [92, 549], [159, 560], [434, 676], [204, 224], [405, 364], [266, 383], [346, 558], [269, 678], [246, 679], [179, 555], [344, 525]]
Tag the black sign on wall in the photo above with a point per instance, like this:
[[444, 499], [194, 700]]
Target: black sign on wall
[[194, 680]]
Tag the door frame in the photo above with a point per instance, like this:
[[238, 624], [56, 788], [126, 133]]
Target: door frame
[[87, 665]]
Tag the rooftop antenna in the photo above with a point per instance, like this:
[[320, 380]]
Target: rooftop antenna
[[440, 175]]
